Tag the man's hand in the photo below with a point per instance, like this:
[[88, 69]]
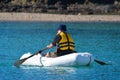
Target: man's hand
[[50, 46]]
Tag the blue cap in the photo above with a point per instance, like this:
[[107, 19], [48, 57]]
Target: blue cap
[[62, 27]]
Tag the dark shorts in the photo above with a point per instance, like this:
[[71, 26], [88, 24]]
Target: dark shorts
[[65, 52]]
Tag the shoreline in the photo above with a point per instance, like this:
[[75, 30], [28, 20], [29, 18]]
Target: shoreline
[[44, 17]]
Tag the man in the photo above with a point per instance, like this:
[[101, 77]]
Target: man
[[64, 42]]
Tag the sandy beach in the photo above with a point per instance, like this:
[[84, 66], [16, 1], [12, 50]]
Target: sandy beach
[[57, 17]]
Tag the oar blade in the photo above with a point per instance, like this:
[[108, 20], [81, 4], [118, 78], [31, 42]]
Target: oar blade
[[19, 62], [101, 62]]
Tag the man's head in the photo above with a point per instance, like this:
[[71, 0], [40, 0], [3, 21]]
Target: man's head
[[62, 27]]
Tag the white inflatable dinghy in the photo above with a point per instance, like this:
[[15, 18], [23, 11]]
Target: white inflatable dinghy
[[74, 59]]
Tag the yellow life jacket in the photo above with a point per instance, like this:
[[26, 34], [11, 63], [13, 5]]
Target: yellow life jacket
[[66, 42]]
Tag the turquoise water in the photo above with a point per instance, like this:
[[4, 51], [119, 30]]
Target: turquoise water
[[102, 39]]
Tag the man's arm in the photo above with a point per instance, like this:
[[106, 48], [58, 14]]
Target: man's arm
[[56, 40]]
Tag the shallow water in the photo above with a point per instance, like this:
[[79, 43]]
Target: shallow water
[[102, 39]]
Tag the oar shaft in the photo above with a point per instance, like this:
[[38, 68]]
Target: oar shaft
[[43, 50]]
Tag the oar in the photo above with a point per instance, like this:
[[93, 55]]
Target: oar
[[101, 62], [17, 63]]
